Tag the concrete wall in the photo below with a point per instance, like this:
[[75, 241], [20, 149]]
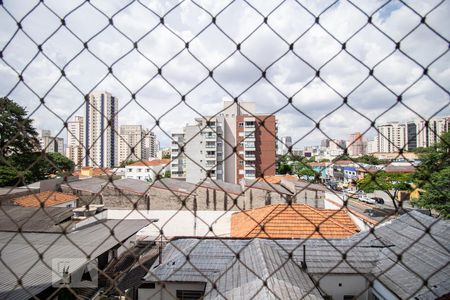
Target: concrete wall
[[84, 198], [255, 198], [340, 285], [168, 291]]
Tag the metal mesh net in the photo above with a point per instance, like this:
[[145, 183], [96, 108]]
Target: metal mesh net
[[314, 68]]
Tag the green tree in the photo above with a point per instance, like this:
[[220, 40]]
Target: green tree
[[43, 165], [437, 193], [126, 162], [17, 134], [285, 169], [384, 181], [433, 176]]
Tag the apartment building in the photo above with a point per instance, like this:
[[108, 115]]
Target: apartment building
[[75, 140], [150, 145], [391, 137], [286, 143], [236, 144], [356, 145], [101, 130], [410, 135], [178, 161], [50, 143], [130, 142]]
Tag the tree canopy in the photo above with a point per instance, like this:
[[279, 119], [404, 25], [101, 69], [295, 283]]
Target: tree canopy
[[20, 161], [17, 134], [433, 176]]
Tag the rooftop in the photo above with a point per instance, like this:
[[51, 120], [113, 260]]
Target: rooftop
[[92, 185], [262, 185], [277, 178], [49, 198], [424, 255], [20, 254], [149, 163], [219, 185], [292, 221]]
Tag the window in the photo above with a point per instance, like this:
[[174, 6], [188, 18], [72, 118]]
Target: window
[[241, 124], [147, 285]]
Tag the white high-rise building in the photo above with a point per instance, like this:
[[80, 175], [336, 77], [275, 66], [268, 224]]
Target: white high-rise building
[[143, 141], [286, 143], [150, 145], [51, 144], [75, 140], [391, 137], [428, 135], [178, 160], [101, 130], [130, 143]]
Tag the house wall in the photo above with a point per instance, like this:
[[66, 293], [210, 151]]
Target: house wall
[[67, 204], [339, 285], [381, 292], [145, 173], [255, 198], [169, 291], [84, 198]]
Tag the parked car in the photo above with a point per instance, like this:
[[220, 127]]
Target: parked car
[[378, 200], [366, 199]]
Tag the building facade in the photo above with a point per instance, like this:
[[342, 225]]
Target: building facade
[[51, 144], [75, 140], [391, 137], [286, 143], [101, 130], [236, 144], [356, 146]]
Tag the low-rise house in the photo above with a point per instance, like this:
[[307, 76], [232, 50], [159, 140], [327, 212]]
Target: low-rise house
[[47, 199], [86, 172], [320, 168], [402, 259], [89, 190], [279, 221], [147, 170], [260, 193], [312, 194], [219, 195], [44, 261]]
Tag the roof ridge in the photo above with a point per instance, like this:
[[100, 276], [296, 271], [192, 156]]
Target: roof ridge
[[330, 218]]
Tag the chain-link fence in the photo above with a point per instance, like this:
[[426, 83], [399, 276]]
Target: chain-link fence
[[231, 210]]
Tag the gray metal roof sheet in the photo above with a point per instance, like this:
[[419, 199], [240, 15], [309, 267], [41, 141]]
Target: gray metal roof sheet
[[423, 256], [31, 219], [129, 184], [92, 185], [21, 259], [219, 185], [263, 185]]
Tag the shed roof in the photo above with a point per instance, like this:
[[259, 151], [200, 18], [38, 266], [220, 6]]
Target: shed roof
[[92, 185], [292, 221], [262, 185], [30, 219], [424, 256], [36, 274], [49, 198], [150, 163], [219, 185]]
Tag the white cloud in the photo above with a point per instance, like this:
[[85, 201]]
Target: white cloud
[[290, 75]]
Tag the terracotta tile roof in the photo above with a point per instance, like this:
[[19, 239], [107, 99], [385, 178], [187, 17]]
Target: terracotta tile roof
[[292, 221], [319, 164], [149, 163], [95, 171], [277, 178], [49, 198]]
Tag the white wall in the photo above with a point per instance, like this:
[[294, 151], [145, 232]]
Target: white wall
[[341, 284], [362, 225], [169, 292], [66, 204]]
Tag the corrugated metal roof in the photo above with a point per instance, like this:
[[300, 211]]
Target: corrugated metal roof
[[92, 185], [130, 185], [35, 273], [423, 255], [31, 219], [219, 185], [174, 185], [271, 187]]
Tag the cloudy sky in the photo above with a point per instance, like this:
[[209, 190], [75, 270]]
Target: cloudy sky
[[290, 73]]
